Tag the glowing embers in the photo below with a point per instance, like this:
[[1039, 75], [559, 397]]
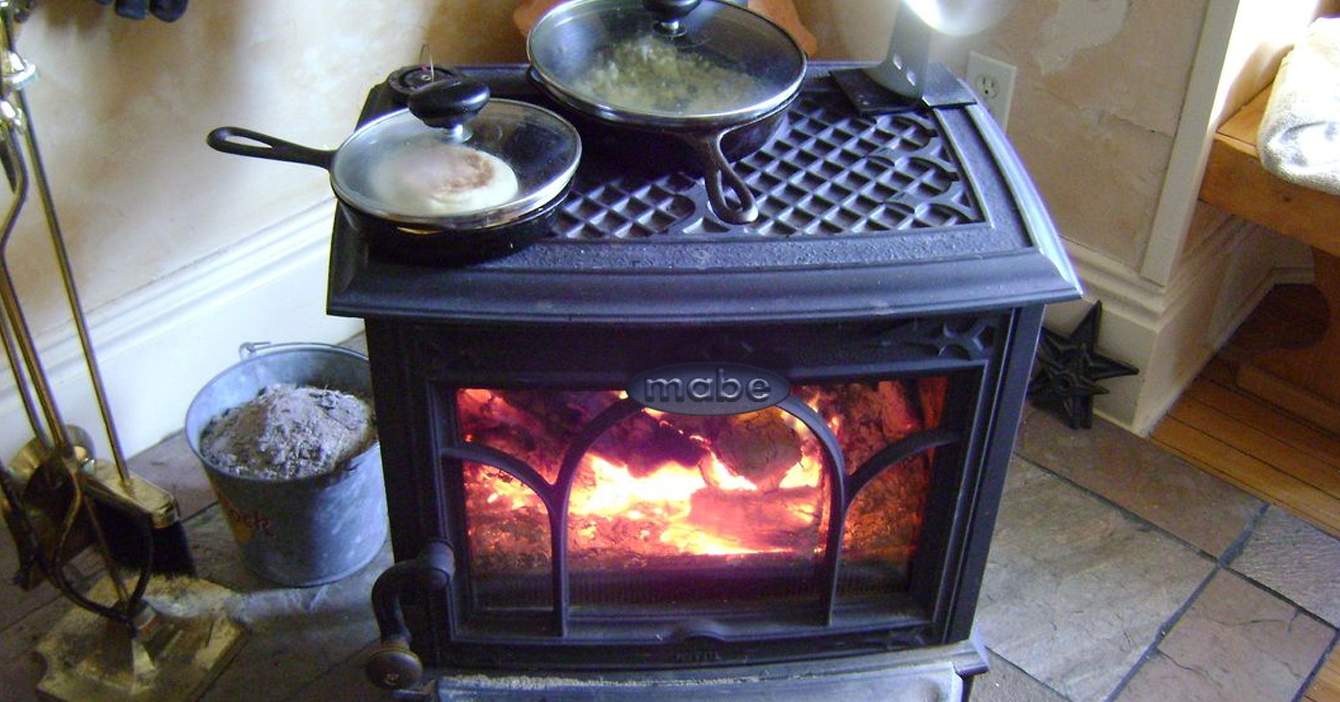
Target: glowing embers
[[883, 529], [751, 486], [508, 531], [707, 508]]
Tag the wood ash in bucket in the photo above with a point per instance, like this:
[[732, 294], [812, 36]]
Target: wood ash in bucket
[[289, 432]]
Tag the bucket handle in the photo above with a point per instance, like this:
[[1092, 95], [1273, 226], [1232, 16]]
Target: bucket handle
[[250, 349]]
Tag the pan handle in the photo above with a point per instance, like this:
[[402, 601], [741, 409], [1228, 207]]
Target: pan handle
[[243, 142], [722, 176]]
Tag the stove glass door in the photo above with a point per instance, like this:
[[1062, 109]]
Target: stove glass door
[[673, 513]]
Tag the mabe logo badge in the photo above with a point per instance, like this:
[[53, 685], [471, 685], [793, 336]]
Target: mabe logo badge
[[709, 389]]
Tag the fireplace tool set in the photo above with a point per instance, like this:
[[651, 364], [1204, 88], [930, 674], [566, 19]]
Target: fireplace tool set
[[132, 638]]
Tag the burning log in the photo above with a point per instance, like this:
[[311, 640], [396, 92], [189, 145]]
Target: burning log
[[933, 392], [786, 519], [662, 487], [559, 412], [759, 447], [645, 444], [884, 522], [869, 416], [641, 442]]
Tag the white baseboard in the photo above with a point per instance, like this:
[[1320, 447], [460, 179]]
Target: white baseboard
[[1169, 333], [159, 345]]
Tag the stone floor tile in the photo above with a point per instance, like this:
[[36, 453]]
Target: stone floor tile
[[1136, 474], [296, 634], [1076, 591], [1297, 560], [1236, 642], [345, 681], [1007, 683]]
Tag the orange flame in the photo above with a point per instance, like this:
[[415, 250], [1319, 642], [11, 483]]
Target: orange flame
[[663, 500], [634, 513]]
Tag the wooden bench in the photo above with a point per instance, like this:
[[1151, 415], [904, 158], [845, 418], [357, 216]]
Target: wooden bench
[[1303, 381]]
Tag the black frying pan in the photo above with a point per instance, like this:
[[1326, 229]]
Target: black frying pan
[[572, 38], [396, 231]]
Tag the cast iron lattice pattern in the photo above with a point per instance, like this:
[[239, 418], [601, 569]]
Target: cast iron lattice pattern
[[827, 172]]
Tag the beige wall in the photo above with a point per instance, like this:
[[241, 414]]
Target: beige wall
[[1263, 33], [122, 109], [1096, 102], [123, 106], [1102, 90], [182, 253]]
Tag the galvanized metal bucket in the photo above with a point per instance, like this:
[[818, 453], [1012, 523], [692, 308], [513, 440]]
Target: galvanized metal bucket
[[305, 531]]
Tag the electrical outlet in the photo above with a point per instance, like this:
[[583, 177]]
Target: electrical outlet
[[993, 81]]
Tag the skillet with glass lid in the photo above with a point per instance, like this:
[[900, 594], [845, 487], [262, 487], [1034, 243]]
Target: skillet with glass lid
[[454, 178], [703, 72]]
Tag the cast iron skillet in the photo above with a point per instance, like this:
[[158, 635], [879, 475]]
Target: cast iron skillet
[[414, 239], [710, 150], [714, 143]]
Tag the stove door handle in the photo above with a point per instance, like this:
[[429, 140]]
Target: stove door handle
[[393, 665]]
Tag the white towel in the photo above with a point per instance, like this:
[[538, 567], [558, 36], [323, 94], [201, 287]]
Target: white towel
[[1300, 132]]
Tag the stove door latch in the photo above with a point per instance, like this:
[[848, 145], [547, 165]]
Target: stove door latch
[[393, 665]]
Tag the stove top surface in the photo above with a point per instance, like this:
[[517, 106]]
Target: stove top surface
[[890, 215]]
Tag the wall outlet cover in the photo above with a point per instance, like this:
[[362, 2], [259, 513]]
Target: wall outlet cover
[[993, 81]]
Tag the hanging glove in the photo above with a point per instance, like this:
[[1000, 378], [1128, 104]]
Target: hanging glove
[[166, 10], [132, 9]]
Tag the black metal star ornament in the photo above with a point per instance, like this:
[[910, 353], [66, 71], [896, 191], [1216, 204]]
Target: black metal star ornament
[[1069, 368]]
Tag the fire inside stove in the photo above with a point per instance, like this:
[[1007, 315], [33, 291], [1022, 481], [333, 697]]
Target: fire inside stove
[[703, 510]]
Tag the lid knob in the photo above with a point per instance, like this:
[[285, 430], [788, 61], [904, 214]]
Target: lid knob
[[449, 104], [668, 14], [406, 80]]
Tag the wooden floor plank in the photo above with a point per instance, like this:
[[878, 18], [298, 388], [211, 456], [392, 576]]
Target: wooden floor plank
[[1258, 444], [1301, 401], [1266, 418], [1220, 371], [1250, 474], [1326, 688]]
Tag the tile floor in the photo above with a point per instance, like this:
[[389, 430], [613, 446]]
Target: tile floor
[[1118, 572]]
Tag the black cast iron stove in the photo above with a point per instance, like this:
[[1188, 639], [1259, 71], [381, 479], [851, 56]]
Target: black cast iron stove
[[558, 540]]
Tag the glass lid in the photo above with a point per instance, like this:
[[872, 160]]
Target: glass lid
[[665, 61], [456, 159]]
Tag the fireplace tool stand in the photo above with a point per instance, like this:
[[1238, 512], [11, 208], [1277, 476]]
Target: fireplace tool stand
[[143, 639]]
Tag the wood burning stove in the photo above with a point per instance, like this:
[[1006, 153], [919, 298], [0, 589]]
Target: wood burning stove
[[545, 522]]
